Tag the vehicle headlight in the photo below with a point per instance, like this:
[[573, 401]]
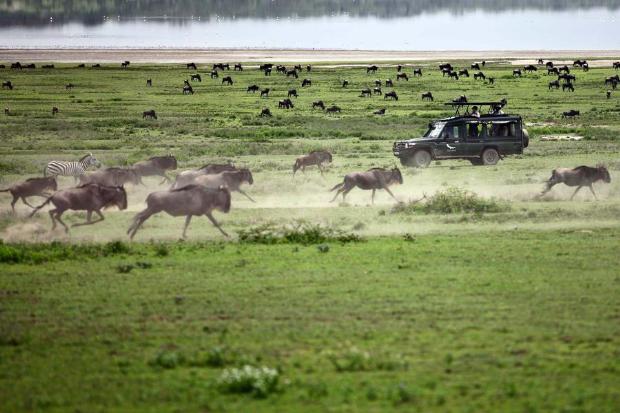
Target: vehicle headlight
[[409, 144]]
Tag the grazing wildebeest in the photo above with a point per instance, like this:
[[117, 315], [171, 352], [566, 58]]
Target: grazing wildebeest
[[379, 112], [417, 72], [195, 77], [292, 73], [460, 99], [308, 68], [96, 65], [464, 73], [187, 201], [292, 92], [345, 83], [7, 111], [377, 82], [427, 96], [125, 64], [445, 72], [616, 65], [285, 104], [229, 179], [253, 89], [264, 93], [479, 75], [149, 114], [586, 67], [453, 75], [611, 79], [265, 113], [390, 95], [389, 83], [333, 109], [214, 74], [554, 84], [568, 86], [445, 66], [90, 198], [549, 64], [16, 65], [281, 69], [187, 177], [540, 61], [69, 86], [402, 76], [149, 82], [567, 78], [516, 73], [579, 177], [238, 67], [221, 66], [265, 66], [188, 90], [47, 66], [228, 80], [317, 158], [191, 66], [377, 91], [608, 94], [372, 69], [580, 63], [156, 166], [267, 72], [530, 68], [306, 82], [318, 104], [7, 85], [31, 187], [366, 93], [375, 178], [114, 176], [399, 68], [570, 114], [491, 80], [564, 69], [55, 110], [298, 68], [553, 70], [30, 66], [475, 66]]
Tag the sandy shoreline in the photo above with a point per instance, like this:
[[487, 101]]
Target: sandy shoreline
[[286, 55]]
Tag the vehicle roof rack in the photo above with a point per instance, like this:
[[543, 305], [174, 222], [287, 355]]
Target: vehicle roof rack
[[459, 105]]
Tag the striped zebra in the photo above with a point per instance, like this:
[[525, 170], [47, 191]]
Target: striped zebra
[[70, 168]]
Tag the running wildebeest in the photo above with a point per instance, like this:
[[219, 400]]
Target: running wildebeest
[[390, 95], [345, 83], [402, 76], [389, 83], [479, 75], [187, 177], [464, 73], [113, 176], [7, 85], [318, 104], [187, 201], [568, 86], [149, 82], [365, 93], [195, 77], [516, 73], [379, 112], [214, 74], [580, 176], [377, 91], [285, 104], [292, 92], [229, 179], [31, 187], [427, 96], [188, 90], [292, 73], [191, 66], [417, 72], [156, 166], [530, 68], [333, 109], [317, 158], [90, 198], [253, 89], [372, 69], [375, 178], [570, 114], [149, 114], [238, 67], [228, 80], [306, 82], [264, 93], [554, 84], [265, 113], [55, 110]]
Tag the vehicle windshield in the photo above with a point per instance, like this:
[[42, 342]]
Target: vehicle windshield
[[434, 130]]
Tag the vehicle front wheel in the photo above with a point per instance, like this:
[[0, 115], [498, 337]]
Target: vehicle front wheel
[[490, 156], [421, 159]]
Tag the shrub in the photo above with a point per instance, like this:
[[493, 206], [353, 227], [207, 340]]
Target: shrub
[[258, 381], [168, 359], [451, 201], [300, 233]]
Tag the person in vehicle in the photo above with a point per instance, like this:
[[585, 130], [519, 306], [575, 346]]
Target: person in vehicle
[[475, 113]]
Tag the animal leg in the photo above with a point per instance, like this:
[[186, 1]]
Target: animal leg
[[340, 190], [373, 196], [58, 214], [52, 212], [243, 193], [89, 220], [390, 192], [592, 190], [13, 202], [214, 222], [575, 193], [137, 222], [187, 221], [166, 179], [26, 202]]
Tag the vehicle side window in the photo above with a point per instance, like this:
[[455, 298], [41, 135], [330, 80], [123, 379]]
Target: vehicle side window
[[452, 132]]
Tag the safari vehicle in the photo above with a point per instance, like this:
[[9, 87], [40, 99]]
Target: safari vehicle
[[482, 141]]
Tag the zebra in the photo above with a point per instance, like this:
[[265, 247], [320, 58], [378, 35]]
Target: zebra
[[71, 168]]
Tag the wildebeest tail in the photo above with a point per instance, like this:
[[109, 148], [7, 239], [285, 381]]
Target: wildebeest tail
[[5, 190], [47, 201], [337, 186]]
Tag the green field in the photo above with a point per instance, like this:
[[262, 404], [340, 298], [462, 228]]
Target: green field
[[358, 307]]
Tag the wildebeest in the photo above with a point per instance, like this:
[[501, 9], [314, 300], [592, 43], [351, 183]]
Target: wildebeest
[[580, 63], [553, 70], [608, 94], [549, 65], [366, 93], [491, 80], [69, 86], [427, 96], [228, 80], [221, 66], [298, 68], [379, 112], [149, 82], [391, 95], [475, 66], [31, 187], [460, 99], [611, 79], [267, 72], [292, 73], [345, 83], [265, 66], [377, 91], [30, 66], [156, 166], [292, 92], [372, 69], [281, 69], [570, 114], [317, 158], [238, 67], [616, 65], [113, 176], [214, 74], [188, 177], [264, 93], [90, 198], [308, 68], [445, 66], [580, 176], [568, 86], [188, 90], [285, 104], [453, 75], [516, 73], [191, 200], [47, 66], [399, 68], [55, 110], [402, 76], [554, 84], [318, 104], [540, 61], [377, 82], [586, 67], [125, 64], [530, 68], [375, 178], [149, 114], [253, 89], [567, 78], [230, 179], [195, 77], [464, 73], [16, 65], [479, 75], [96, 65], [333, 109], [191, 66], [389, 83], [417, 72], [306, 82], [7, 85], [564, 69], [265, 113], [7, 111]]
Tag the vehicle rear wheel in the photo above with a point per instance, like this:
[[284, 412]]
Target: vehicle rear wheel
[[490, 156], [421, 159]]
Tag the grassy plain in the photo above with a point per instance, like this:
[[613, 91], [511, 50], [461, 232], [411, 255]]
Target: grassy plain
[[509, 311]]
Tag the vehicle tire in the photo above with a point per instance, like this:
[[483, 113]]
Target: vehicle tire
[[421, 159], [490, 156], [476, 161]]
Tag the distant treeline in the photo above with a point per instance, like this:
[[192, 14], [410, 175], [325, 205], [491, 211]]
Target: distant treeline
[[36, 12]]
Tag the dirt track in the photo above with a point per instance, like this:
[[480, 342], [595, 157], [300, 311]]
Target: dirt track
[[302, 55]]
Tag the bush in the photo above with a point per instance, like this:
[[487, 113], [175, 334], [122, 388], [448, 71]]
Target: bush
[[259, 381], [451, 201], [300, 233]]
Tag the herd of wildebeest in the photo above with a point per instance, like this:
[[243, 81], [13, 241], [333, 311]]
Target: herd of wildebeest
[[203, 190]]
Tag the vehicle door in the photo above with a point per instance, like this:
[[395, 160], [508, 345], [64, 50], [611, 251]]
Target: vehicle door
[[476, 135], [506, 136], [452, 143]]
